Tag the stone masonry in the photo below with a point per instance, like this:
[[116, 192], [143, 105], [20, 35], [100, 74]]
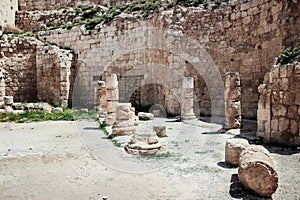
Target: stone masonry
[[279, 105], [2, 86], [7, 12], [237, 36], [241, 37], [232, 97], [35, 71]]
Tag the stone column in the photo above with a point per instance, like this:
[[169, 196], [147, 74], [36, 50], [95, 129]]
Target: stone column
[[232, 100], [2, 88], [187, 107], [112, 98], [101, 104], [124, 124]]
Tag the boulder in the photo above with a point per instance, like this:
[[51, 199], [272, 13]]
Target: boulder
[[8, 100], [145, 116], [257, 171], [160, 131], [233, 149]]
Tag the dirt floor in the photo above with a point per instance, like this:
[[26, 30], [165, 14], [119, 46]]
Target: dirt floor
[[75, 160]]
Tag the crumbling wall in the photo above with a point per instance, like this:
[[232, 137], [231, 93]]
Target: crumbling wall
[[53, 74], [18, 59], [40, 20], [34, 5], [35, 71], [279, 105], [7, 12]]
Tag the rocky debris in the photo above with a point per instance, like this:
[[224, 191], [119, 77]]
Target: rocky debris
[[145, 116], [8, 100], [257, 171], [160, 131], [143, 144], [18, 107], [58, 109], [233, 149]]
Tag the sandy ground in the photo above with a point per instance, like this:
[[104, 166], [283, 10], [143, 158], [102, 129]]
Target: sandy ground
[[75, 160]]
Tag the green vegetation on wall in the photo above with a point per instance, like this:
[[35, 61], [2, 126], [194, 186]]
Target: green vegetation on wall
[[288, 55]]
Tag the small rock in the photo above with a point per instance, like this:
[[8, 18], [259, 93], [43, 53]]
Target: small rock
[[59, 110], [145, 116]]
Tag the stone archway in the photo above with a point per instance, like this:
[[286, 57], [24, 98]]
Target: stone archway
[[179, 47]]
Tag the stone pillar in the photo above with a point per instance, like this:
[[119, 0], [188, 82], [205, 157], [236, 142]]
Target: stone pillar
[[232, 100], [257, 171], [124, 124], [112, 98], [2, 88], [101, 104], [187, 107]]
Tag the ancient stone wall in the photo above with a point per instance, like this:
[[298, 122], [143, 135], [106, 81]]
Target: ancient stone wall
[[18, 59], [34, 71], [40, 20], [244, 38], [34, 5], [53, 74], [279, 105], [7, 11], [238, 37]]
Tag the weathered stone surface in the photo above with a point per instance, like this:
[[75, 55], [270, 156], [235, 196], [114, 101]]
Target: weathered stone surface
[[110, 119], [58, 109], [147, 116], [143, 144], [232, 98], [112, 106], [126, 130], [233, 149], [160, 131], [112, 95], [124, 111], [8, 100], [257, 171], [111, 81], [278, 112]]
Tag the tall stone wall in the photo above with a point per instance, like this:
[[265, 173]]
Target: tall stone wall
[[7, 12], [34, 5], [238, 37], [279, 105], [244, 38]]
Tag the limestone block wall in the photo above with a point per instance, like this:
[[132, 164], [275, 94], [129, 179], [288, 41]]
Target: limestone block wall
[[31, 5], [40, 20], [244, 38], [18, 59], [279, 105], [238, 37], [53, 74], [34, 71], [7, 11]]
